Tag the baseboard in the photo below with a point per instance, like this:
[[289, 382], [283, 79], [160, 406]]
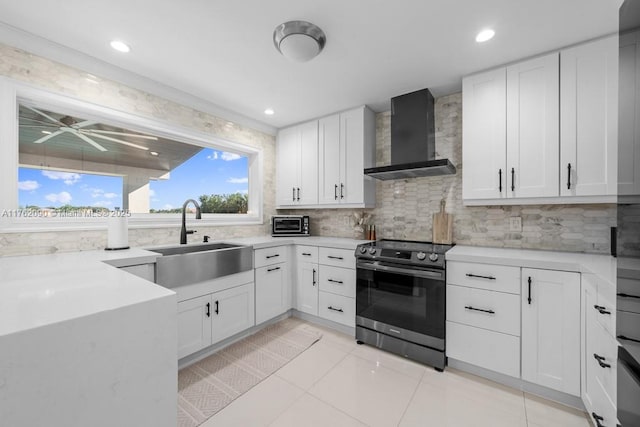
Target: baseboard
[[518, 384], [351, 331]]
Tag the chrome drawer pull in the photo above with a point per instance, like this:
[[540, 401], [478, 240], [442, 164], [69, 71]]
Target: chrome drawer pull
[[340, 282], [481, 277], [336, 309], [468, 307], [601, 309]]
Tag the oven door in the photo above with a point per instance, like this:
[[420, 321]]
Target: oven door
[[628, 385], [401, 301], [287, 225]]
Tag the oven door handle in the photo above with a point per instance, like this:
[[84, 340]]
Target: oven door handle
[[405, 271]]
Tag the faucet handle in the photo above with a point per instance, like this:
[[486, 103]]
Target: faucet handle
[[205, 239]]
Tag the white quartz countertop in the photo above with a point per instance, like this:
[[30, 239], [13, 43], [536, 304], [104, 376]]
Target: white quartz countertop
[[261, 242], [39, 290], [603, 266]]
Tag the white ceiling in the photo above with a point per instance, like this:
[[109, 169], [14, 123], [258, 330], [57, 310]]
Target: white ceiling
[[222, 51]]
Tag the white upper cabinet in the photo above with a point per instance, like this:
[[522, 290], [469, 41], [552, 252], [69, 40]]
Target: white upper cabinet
[[524, 124], [589, 119], [347, 146], [328, 155], [533, 127], [629, 116], [484, 134], [297, 165]]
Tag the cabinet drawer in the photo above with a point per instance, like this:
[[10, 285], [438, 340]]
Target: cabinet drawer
[[606, 310], [307, 253], [603, 407], [338, 308], [487, 349], [338, 257], [270, 256], [341, 281], [499, 278], [606, 348], [496, 311]]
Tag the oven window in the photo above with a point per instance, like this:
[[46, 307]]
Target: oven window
[[412, 303], [291, 225]]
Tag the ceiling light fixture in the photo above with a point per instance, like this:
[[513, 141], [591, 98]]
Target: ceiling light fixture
[[485, 35], [299, 41], [269, 112], [120, 46]]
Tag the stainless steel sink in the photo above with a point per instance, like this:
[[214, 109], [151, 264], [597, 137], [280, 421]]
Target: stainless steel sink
[[184, 265]]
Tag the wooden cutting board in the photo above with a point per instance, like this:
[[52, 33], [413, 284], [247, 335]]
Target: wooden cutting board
[[442, 225]]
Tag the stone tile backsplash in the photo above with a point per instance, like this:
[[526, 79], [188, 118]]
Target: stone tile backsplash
[[405, 207]]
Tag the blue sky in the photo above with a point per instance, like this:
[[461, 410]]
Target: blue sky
[[208, 172]]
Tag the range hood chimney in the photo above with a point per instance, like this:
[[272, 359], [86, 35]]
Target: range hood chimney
[[413, 142]]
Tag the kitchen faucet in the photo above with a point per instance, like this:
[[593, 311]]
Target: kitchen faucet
[[184, 231]]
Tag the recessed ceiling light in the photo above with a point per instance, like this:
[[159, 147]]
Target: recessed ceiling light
[[46, 132], [120, 46], [154, 153], [485, 35], [269, 112]]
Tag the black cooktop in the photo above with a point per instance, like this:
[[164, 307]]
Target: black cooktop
[[404, 251]]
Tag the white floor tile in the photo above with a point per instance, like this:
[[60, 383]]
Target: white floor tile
[[543, 412], [391, 361], [259, 406], [306, 369], [311, 412], [373, 394], [453, 407]]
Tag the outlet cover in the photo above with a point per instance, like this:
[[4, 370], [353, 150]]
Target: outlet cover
[[515, 223]]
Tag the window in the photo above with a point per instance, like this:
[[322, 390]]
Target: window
[[74, 156]]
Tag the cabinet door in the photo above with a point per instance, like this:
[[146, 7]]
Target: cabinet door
[[308, 164], [533, 121], [551, 329], [484, 154], [307, 288], [272, 292], [287, 165], [589, 299], [232, 311], [629, 116], [329, 160], [588, 119], [194, 325], [352, 130]]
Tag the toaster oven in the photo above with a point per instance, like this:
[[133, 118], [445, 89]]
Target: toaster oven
[[290, 225]]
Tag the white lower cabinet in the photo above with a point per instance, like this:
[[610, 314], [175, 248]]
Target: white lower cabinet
[[551, 329], [210, 318], [337, 308], [307, 288], [272, 291]]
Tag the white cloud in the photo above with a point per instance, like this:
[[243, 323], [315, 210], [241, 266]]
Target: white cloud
[[62, 197], [227, 157], [103, 203], [167, 206], [213, 156], [111, 195], [238, 180], [97, 192], [28, 185], [69, 178]]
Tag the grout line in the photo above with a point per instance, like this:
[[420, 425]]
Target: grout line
[[524, 402], [413, 395]]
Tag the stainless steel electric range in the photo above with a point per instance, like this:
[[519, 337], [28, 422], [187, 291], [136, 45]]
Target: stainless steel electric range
[[400, 299]]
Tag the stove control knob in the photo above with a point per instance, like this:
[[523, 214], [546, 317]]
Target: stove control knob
[[363, 250], [372, 251], [433, 257], [421, 256]]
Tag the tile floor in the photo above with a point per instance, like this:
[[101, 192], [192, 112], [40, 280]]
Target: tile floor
[[339, 383]]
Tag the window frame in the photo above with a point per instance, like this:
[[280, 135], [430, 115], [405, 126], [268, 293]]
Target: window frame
[[12, 93]]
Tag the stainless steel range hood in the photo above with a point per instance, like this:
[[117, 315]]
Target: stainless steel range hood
[[413, 142]]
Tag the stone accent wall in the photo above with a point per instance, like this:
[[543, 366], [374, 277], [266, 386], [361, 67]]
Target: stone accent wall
[[405, 207], [56, 77]]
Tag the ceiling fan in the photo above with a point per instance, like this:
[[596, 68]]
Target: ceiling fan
[[68, 124]]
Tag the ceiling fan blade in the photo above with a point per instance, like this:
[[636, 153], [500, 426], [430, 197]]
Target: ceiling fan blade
[[88, 140], [108, 138], [110, 132], [83, 124], [47, 137], [45, 115]]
